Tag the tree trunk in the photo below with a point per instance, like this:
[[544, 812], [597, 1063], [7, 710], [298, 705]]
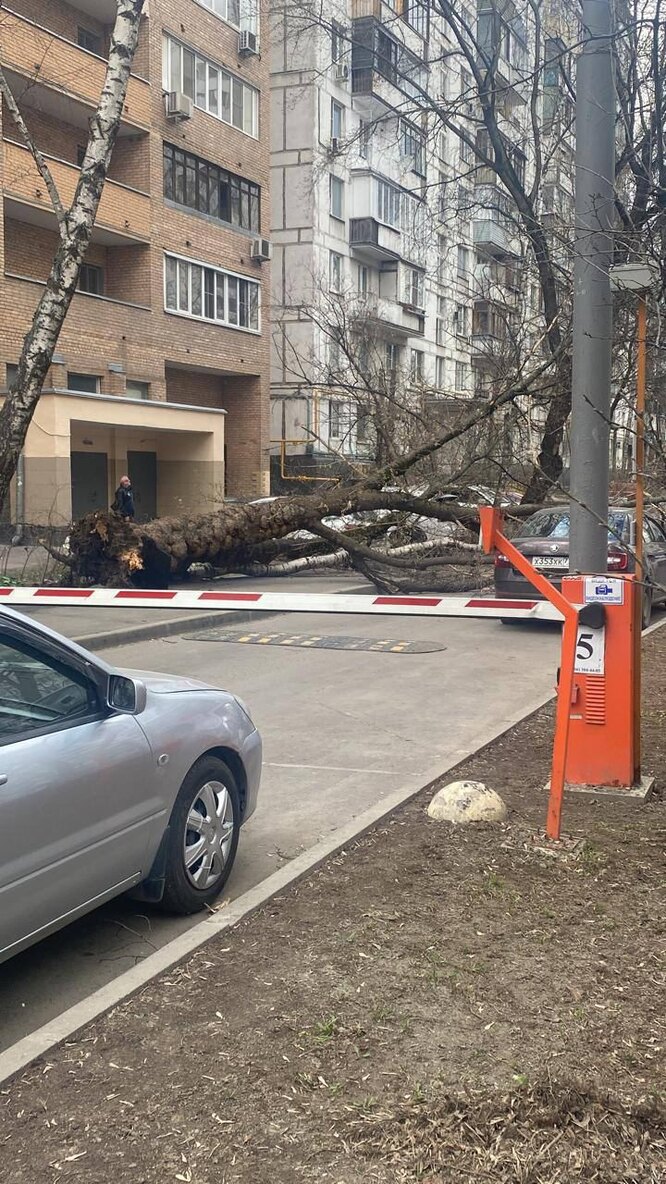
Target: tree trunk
[[107, 549], [76, 227]]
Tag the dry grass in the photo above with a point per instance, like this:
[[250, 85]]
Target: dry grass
[[547, 1133]]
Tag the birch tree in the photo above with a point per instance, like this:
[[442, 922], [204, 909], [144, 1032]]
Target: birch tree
[[75, 227]]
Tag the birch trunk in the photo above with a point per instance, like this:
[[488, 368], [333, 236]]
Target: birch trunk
[[76, 227]]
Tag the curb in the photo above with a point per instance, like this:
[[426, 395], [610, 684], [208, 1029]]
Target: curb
[[185, 624], [21, 1054]]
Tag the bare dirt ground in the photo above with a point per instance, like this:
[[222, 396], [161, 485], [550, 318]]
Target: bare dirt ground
[[434, 1004]]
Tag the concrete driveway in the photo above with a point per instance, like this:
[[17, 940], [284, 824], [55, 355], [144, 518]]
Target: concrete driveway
[[342, 727]]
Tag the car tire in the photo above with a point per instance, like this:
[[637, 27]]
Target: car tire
[[200, 854], [646, 608]]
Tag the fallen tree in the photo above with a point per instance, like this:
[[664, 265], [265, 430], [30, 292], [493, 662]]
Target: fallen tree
[[107, 549]]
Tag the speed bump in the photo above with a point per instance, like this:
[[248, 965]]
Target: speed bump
[[318, 641]]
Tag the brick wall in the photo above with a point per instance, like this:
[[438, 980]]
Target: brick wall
[[152, 345], [130, 163], [60, 18]]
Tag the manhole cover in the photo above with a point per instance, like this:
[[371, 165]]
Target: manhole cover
[[316, 641]]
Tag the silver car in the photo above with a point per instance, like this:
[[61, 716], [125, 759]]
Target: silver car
[[110, 781]]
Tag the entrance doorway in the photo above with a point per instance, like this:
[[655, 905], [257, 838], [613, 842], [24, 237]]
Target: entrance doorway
[[142, 472], [90, 482]]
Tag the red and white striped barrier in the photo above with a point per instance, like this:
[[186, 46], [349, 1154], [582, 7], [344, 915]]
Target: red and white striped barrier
[[286, 602]]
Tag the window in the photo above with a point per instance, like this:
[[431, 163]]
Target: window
[[440, 323], [88, 384], [364, 138], [392, 357], [463, 262], [11, 374], [80, 154], [467, 153], [386, 56], [134, 389], [461, 320], [334, 357], [362, 279], [412, 144], [211, 88], [415, 13], [388, 203], [89, 40], [91, 279], [38, 693], [337, 120], [335, 272], [193, 182], [488, 319], [230, 11], [416, 365], [338, 419], [443, 184], [338, 39], [466, 89], [464, 200], [440, 373], [363, 426], [462, 376], [441, 258], [336, 197], [196, 290], [413, 287]]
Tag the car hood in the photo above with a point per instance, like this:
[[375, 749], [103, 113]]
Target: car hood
[[168, 684]]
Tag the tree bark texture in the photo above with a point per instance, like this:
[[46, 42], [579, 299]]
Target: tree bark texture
[[108, 550], [75, 234]]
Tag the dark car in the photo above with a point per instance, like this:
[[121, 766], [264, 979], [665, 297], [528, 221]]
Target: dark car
[[544, 538]]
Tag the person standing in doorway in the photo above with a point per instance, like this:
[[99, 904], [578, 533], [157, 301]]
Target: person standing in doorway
[[124, 499]]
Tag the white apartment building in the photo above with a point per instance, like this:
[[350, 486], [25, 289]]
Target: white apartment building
[[398, 269]]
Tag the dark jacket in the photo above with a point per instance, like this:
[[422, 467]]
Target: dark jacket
[[124, 501]]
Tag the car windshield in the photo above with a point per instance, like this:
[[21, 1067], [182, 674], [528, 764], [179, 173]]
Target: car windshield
[[554, 524]]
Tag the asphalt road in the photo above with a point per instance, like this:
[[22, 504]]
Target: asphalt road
[[342, 727]]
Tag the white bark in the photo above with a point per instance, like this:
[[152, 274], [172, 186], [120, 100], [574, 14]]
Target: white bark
[[38, 157], [76, 230]]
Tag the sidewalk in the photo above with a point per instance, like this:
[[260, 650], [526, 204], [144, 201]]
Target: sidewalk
[[103, 628], [432, 1003]]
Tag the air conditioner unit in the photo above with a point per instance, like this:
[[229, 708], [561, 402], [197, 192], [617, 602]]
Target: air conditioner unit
[[248, 43], [178, 106], [261, 251], [335, 145], [342, 72]]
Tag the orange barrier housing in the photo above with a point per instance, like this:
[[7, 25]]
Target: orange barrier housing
[[601, 749], [595, 740]]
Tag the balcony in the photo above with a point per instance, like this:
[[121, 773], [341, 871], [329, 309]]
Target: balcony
[[492, 237], [65, 81], [397, 24], [102, 10], [384, 71], [124, 214], [371, 240], [389, 319]]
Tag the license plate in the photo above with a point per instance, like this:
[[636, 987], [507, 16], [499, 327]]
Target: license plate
[[550, 562]]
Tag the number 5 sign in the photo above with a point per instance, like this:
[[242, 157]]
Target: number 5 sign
[[590, 650]]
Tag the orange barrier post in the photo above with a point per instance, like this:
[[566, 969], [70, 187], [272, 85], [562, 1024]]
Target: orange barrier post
[[494, 540], [595, 743]]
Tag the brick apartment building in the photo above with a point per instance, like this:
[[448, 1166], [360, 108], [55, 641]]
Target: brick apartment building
[[162, 366]]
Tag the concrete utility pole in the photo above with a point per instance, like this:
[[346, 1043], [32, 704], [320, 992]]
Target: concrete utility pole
[[592, 322]]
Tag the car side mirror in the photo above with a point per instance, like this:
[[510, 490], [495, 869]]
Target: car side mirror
[[127, 695]]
